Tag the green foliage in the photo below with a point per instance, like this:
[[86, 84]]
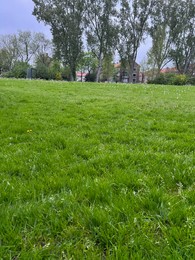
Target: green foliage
[[21, 47], [180, 80], [5, 61], [65, 71], [58, 76], [50, 69], [42, 71], [191, 80], [133, 24], [88, 62], [100, 29], [109, 26], [90, 77], [96, 171], [66, 20], [19, 70], [183, 34], [108, 68], [170, 79], [55, 69], [159, 54], [43, 58]]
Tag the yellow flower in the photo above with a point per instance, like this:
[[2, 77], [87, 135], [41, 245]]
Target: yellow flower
[[29, 131]]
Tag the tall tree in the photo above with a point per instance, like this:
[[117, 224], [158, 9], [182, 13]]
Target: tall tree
[[183, 34], [101, 31], [159, 54], [133, 24], [65, 18], [160, 33]]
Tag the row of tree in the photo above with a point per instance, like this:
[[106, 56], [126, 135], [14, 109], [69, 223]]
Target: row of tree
[[172, 31], [24, 50], [104, 27], [23, 47], [108, 26]]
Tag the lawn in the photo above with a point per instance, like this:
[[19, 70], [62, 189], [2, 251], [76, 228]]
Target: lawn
[[96, 171]]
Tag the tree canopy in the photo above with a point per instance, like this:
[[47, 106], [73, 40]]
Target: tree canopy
[[66, 21], [88, 33]]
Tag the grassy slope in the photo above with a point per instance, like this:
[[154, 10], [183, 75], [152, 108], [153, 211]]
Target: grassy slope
[[96, 171]]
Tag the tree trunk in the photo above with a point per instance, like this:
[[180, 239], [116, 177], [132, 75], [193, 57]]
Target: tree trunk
[[71, 77], [72, 74], [99, 70], [158, 70], [130, 71]]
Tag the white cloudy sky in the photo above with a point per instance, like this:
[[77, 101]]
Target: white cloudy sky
[[17, 15]]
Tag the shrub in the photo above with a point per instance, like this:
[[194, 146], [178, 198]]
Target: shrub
[[160, 79], [90, 77], [180, 80], [19, 70], [191, 81], [7, 74], [65, 72], [58, 76], [42, 71], [170, 79]]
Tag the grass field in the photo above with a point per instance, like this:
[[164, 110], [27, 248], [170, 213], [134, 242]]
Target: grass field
[[96, 171]]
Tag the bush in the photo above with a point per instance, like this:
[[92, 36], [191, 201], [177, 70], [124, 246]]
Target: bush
[[42, 71], [65, 72], [19, 70], [160, 79], [180, 80], [191, 81], [170, 79], [58, 76], [8, 74], [90, 77]]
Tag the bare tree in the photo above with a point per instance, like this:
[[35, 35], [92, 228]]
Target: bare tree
[[9, 48], [22, 47], [31, 44]]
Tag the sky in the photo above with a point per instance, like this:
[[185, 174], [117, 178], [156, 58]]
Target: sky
[[16, 15]]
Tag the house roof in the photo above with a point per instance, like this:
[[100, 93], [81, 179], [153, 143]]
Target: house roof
[[81, 74], [168, 70]]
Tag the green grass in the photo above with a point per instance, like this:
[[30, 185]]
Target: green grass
[[96, 171]]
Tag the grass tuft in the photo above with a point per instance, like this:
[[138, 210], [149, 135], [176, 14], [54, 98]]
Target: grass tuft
[[96, 171]]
